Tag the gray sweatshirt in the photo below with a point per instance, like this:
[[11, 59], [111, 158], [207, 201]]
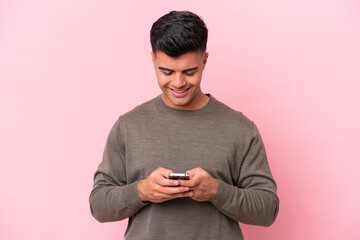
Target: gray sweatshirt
[[216, 138]]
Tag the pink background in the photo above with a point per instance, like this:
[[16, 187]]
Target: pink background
[[69, 68]]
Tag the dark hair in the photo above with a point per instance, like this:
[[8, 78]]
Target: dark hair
[[177, 33]]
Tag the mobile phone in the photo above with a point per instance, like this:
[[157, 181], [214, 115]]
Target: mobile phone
[[182, 176]]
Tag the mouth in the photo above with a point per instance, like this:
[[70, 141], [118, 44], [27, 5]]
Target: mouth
[[179, 93]]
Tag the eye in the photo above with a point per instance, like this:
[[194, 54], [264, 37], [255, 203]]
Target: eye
[[190, 74], [167, 73]]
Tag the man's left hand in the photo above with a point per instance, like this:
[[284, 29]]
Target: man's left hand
[[202, 185]]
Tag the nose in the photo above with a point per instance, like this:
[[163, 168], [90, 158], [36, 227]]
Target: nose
[[179, 80]]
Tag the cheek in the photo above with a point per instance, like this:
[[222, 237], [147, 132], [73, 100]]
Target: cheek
[[196, 80], [162, 80]]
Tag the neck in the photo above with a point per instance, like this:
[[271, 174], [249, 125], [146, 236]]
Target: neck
[[198, 102]]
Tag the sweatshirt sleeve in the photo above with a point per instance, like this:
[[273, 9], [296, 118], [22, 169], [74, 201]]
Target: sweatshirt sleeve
[[253, 200], [112, 197]]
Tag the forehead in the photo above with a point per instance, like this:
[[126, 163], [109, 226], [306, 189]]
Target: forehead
[[184, 61]]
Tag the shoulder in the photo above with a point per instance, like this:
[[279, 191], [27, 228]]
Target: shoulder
[[143, 109], [233, 123], [138, 116], [231, 116], [134, 119]]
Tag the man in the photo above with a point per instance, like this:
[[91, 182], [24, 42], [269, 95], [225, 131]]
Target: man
[[183, 130]]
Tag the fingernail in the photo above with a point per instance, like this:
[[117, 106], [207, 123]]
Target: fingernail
[[186, 189], [191, 194], [176, 183]]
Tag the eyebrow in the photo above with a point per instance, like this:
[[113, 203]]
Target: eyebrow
[[186, 70]]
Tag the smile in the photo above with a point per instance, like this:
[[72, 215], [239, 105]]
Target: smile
[[179, 93]]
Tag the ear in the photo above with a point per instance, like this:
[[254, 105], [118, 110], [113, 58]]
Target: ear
[[205, 58], [153, 56]]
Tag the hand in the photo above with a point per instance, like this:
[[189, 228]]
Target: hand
[[202, 185], [158, 188]]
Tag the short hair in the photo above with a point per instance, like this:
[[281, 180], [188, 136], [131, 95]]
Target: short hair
[[177, 33]]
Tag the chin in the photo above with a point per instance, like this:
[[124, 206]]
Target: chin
[[179, 102]]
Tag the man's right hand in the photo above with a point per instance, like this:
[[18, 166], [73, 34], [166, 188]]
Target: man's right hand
[[158, 188]]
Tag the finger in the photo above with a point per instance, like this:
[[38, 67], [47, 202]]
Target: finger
[[193, 172], [181, 195], [165, 182], [196, 172], [173, 190], [163, 172], [160, 175], [161, 197], [190, 183]]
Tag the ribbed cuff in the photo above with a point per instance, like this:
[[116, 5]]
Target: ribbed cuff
[[224, 192], [133, 198]]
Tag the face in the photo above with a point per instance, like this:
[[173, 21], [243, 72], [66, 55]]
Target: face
[[179, 79]]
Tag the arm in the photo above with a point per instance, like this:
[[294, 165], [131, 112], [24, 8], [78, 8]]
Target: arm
[[250, 206], [112, 198], [253, 199]]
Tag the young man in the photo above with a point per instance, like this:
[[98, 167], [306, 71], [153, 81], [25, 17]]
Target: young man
[[183, 130]]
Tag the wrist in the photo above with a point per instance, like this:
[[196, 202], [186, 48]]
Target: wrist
[[139, 189], [215, 187]]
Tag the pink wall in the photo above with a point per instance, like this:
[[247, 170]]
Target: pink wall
[[69, 68]]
